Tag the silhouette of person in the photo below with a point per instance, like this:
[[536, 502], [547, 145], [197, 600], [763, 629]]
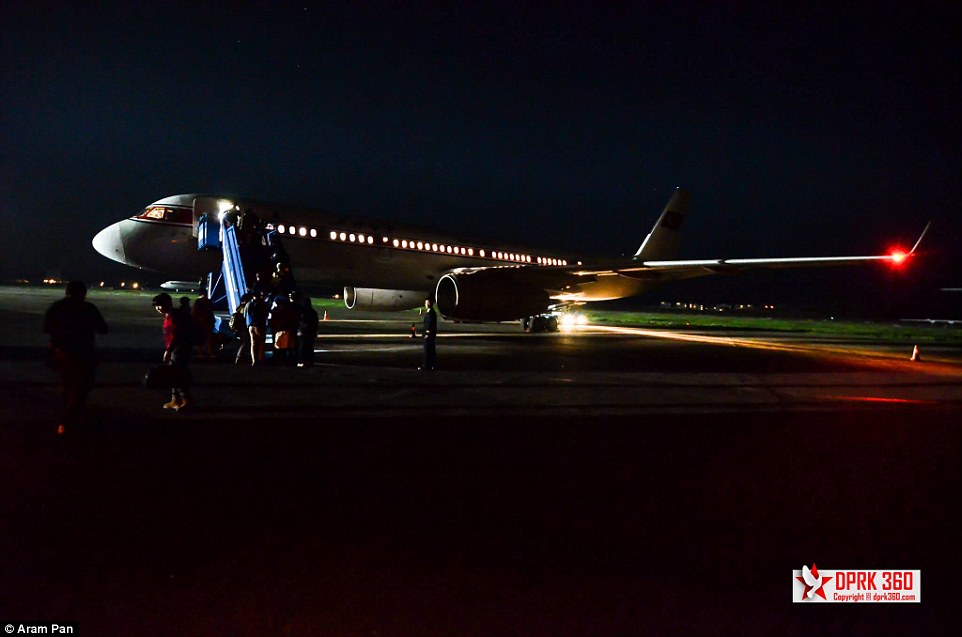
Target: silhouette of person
[[73, 324], [307, 333], [429, 332], [203, 313]]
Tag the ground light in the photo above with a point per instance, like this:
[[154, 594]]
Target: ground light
[[570, 320]]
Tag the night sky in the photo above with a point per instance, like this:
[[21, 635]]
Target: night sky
[[799, 131]]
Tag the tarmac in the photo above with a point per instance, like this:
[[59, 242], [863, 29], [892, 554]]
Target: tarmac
[[367, 367], [607, 481]]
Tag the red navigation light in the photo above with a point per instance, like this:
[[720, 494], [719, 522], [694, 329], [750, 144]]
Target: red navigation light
[[898, 256]]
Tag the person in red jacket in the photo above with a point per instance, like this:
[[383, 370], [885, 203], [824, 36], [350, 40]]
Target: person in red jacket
[[177, 346]]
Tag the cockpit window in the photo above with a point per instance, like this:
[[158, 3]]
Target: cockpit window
[[166, 213]]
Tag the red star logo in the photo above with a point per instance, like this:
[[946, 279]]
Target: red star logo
[[818, 585]]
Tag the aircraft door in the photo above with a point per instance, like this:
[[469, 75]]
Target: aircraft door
[[205, 205]]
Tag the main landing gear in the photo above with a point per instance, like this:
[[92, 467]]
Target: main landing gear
[[540, 323]]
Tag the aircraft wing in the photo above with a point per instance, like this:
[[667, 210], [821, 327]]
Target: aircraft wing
[[608, 280], [695, 267], [686, 268]]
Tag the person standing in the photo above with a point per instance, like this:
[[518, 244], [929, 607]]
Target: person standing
[[429, 331], [255, 315], [307, 333], [203, 313], [177, 346], [283, 322], [73, 323]]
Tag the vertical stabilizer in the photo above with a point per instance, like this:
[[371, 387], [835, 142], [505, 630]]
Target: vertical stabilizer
[[663, 240]]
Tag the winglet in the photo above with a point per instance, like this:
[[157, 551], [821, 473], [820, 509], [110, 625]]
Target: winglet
[[921, 236]]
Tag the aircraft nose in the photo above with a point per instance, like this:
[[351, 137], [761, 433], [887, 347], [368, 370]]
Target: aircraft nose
[[110, 243]]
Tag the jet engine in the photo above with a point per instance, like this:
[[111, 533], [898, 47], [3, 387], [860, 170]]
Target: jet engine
[[379, 300], [488, 295]]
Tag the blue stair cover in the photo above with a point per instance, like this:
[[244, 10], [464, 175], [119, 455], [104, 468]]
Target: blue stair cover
[[208, 233]]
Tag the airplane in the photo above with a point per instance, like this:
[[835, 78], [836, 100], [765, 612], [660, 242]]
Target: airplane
[[386, 267], [180, 286]]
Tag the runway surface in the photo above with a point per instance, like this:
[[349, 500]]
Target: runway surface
[[611, 481]]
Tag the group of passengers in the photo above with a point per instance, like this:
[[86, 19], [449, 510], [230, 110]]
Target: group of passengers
[[291, 320]]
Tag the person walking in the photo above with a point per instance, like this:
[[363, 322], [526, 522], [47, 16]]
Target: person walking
[[73, 323], [238, 325], [429, 332], [177, 346]]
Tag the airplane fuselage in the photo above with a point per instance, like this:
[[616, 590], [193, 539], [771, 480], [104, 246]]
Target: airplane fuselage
[[394, 267], [328, 249]]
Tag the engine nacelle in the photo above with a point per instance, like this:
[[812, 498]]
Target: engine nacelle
[[487, 295], [378, 300]]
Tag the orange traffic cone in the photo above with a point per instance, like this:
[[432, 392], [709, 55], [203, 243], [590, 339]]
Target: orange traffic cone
[[325, 315], [915, 354]]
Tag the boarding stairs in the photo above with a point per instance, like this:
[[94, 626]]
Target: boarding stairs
[[243, 257]]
